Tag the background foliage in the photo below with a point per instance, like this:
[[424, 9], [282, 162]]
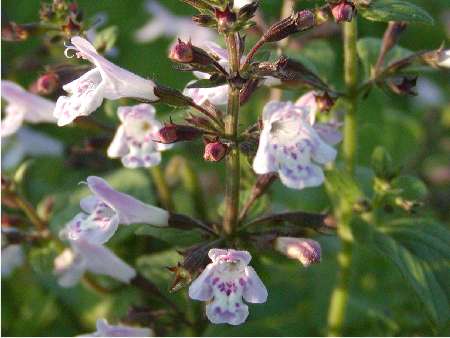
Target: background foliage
[[415, 133]]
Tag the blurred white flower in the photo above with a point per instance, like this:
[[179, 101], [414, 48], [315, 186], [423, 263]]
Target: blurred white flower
[[166, 24], [444, 58], [238, 4], [106, 80], [12, 257], [83, 256], [293, 144], [106, 330], [305, 250], [133, 142], [23, 106], [28, 142]]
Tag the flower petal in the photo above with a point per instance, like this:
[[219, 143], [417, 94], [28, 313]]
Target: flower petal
[[11, 123], [328, 132], [218, 315], [200, 288], [308, 103], [69, 267], [12, 257], [214, 254], [106, 330], [309, 176], [118, 146], [129, 209], [254, 290]]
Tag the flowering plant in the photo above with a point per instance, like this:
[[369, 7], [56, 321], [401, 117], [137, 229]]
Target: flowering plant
[[169, 205]]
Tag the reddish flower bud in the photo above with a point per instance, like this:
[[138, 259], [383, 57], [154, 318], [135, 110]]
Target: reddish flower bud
[[404, 86], [182, 52], [47, 83], [215, 151], [225, 19], [343, 11], [324, 102], [172, 133], [14, 32], [71, 27]]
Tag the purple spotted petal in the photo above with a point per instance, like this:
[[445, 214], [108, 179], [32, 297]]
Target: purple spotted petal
[[200, 289], [254, 290], [219, 315], [129, 209]]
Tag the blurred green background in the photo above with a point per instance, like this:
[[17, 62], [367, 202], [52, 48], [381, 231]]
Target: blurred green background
[[414, 130]]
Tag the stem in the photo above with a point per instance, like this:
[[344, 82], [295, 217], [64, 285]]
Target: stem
[[162, 188], [31, 213], [253, 51], [232, 164], [340, 295]]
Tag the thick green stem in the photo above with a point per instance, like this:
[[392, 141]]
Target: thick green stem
[[339, 297], [165, 197], [232, 164]]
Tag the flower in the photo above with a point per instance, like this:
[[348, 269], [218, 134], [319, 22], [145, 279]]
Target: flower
[[224, 283], [166, 24], [307, 251], [238, 4], [83, 256], [23, 106], [106, 330], [105, 210], [133, 141], [343, 11], [106, 80], [12, 257], [216, 95], [28, 142], [215, 151], [292, 144], [444, 58]]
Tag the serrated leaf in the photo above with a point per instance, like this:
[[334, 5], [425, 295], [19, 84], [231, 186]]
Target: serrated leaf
[[172, 236], [395, 10]]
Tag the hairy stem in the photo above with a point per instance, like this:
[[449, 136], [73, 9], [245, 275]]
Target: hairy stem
[[232, 165], [340, 294], [165, 197]]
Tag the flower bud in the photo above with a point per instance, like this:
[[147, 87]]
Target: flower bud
[[225, 19], [343, 11], [204, 20], [47, 83], [297, 22], [14, 32], [324, 102], [307, 251], [215, 151], [403, 86], [172, 133], [182, 52], [248, 11]]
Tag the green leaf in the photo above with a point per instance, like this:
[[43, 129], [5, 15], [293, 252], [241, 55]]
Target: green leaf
[[170, 235], [420, 248], [395, 10], [412, 188], [382, 163]]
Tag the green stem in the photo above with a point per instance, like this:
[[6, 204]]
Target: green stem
[[165, 197], [340, 294], [232, 165]]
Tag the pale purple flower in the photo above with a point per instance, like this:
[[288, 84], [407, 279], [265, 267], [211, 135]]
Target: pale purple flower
[[106, 330], [224, 283], [12, 258], [105, 210], [23, 106], [166, 24], [293, 144], [305, 250], [133, 142], [83, 256], [105, 81], [28, 142]]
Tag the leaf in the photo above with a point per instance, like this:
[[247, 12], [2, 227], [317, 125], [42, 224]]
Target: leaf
[[420, 248], [395, 10], [412, 188], [170, 235]]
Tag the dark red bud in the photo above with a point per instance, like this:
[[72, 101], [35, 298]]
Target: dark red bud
[[47, 83], [172, 133], [182, 52], [324, 102], [71, 27], [225, 19], [343, 11], [215, 151], [406, 86]]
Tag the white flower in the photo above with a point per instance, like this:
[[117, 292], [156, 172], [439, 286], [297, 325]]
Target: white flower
[[23, 106], [12, 257], [106, 330], [292, 144], [306, 251], [83, 256], [224, 283], [216, 95], [106, 80], [105, 210], [133, 141], [166, 24], [28, 142], [444, 58]]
